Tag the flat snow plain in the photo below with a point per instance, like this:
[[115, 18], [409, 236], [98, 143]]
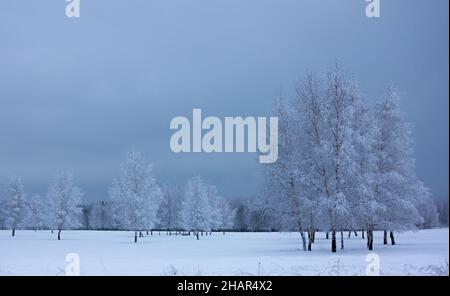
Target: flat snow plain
[[424, 252]]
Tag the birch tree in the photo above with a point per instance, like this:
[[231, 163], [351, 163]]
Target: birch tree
[[65, 203], [15, 205], [136, 195]]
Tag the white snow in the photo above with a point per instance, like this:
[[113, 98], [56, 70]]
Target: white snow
[[114, 253]]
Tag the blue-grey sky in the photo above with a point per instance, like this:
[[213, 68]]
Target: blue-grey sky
[[76, 94]]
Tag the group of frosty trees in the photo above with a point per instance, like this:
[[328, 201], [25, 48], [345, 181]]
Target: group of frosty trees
[[343, 165], [140, 204], [137, 203], [58, 211]]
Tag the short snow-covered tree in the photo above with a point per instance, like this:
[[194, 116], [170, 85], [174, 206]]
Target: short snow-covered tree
[[36, 213], [64, 203], [15, 205], [196, 211], [136, 195], [170, 210], [222, 214]]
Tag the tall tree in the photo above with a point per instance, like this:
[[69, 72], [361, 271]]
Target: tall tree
[[136, 195], [396, 186]]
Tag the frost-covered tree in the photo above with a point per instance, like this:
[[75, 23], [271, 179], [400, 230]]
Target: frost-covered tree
[[395, 185], [15, 205], [312, 154], [222, 214], [37, 210], [170, 210], [365, 211], [136, 195], [196, 210], [282, 193], [64, 203]]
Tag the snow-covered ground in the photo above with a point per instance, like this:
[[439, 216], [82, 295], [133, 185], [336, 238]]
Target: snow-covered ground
[[114, 253]]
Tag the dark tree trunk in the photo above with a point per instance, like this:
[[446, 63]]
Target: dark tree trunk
[[302, 234], [333, 241], [370, 239], [135, 236], [327, 235], [59, 234], [342, 240], [313, 236], [309, 240], [13, 233], [147, 232], [385, 237], [196, 234], [392, 237], [349, 233], [151, 232], [356, 233], [362, 234]]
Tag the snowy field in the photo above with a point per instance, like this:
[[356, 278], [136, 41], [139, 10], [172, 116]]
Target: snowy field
[[114, 253]]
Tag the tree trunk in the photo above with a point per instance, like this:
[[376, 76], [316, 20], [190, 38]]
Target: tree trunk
[[147, 232], [385, 237], [342, 240], [313, 236], [354, 231], [392, 237], [349, 233], [370, 239], [327, 235], [302, 234], [59, 234], [13, 233], [135, 236], [333, 241], [197, 235], [309, 240], [362, 234]]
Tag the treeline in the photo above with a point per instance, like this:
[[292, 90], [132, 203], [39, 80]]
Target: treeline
[[136, 203]]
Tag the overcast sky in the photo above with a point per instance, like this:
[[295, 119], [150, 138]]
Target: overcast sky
[[76, 94]]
